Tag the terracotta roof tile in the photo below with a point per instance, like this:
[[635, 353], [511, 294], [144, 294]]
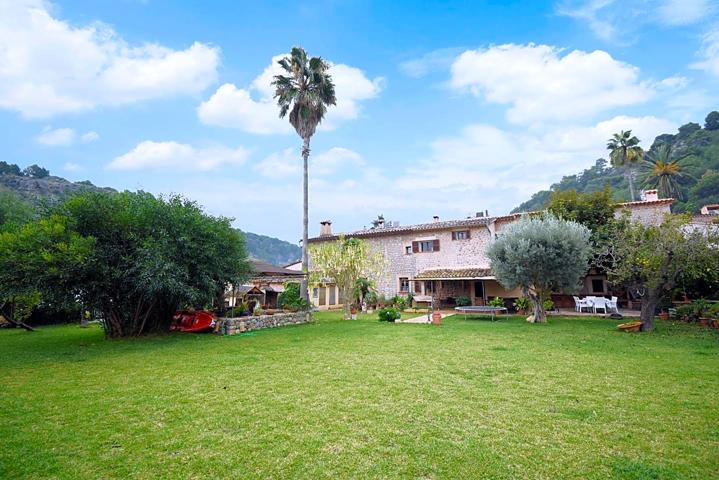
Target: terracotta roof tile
[[459, 274]]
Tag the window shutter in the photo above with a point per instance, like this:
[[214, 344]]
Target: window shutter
[[435, 245], [415, 247], [454, 235]]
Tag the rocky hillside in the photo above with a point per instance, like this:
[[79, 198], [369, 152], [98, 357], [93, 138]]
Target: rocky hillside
[[37, 187], [700, 185]]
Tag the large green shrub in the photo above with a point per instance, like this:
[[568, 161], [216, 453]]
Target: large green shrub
[[389, 315], [291, 298]]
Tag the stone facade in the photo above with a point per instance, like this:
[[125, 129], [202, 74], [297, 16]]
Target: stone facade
[[234, 326], [454, 268]]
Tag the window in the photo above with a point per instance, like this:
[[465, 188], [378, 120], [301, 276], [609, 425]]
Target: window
[[315, 292], [428, 287], [408, 249], [461, 235], [404, 284], [417, 287], [597, 285], [425, 246]]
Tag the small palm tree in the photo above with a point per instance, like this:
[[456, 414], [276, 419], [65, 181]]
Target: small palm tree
[[664, 173], [625, 152], [305, 93]]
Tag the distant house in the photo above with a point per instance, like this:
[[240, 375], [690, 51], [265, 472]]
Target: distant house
[[265, 283], [444, 260]]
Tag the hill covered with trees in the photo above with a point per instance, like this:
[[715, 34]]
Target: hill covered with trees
[[694, 147], [35, 185]]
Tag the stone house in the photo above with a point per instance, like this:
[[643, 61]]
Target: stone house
[[444, 260], [324, 296]]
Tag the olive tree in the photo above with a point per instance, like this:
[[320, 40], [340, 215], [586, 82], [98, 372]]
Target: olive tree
[[651, 260], [344, 261], [541, 255]]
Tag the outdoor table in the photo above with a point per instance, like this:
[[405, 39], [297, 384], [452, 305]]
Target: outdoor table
[[481, 309]]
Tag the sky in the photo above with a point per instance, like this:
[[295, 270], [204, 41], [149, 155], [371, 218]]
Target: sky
[[443, 108]]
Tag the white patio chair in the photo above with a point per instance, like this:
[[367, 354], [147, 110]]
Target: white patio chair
[[600, 302], [612, 304], [579, 304]]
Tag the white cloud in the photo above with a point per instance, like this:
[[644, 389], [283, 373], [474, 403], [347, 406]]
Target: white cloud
[[49, 67], [288, 162], [253, 109], [436, 60], [177, 156], [64, 137], [683, 12], [612, 20], [539, 83], [709, 53], [484, 167]]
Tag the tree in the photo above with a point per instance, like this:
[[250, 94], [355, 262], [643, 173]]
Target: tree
[[712, 121], [706, 190], [14, 211], [9, 169], [345, 261], [362, 287], [593, 210], [378, 221], [625, 152], [651, 260], [540, 256], [37, 259], [689, 128], [305, 93], [36, 171], [151, 256], [663, 172]]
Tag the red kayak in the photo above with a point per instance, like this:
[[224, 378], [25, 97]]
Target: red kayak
[[194, 322]]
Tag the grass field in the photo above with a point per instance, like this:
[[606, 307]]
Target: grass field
[[360, 399]]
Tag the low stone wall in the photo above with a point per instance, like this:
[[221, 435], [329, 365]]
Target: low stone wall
[[233, 326]]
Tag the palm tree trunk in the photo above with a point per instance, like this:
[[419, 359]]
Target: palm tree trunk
[[630, 177], [305, 220]]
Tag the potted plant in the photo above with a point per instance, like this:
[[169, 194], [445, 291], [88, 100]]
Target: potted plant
[[496, 302], [353, 312], [521, 305]]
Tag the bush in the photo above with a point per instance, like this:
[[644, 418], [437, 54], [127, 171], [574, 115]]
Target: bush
[[496, 302], [462, 301], [686, 313], [399, 302], [389, 315], [371, 298], [548, 305], [522, 303], [291, 299]]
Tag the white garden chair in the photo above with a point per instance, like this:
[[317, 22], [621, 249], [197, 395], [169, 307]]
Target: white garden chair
[[600, 302], [579, 304], [612, 304]]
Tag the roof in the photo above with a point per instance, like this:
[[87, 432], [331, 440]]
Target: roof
[[260, 268], [455, 274], [641, 203], [422, 227], [468, 222]]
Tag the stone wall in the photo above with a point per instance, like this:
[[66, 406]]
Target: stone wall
[[233, 326]]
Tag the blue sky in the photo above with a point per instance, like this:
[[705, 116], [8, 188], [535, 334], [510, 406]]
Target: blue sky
[[443, 108]]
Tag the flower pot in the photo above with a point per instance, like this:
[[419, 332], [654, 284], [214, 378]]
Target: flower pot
[[521, 312], [436, 318], [630, 326], [664, 316]]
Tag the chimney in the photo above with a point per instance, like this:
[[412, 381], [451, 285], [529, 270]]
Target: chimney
[[650, 195], [435, 219], [479, 214], [325, 228]]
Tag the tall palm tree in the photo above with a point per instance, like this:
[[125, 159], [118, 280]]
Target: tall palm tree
[[663, 172], [305, 93], [625, 152]]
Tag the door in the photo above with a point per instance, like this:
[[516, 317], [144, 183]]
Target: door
[[332, 295], [478, 293], [323, 296]]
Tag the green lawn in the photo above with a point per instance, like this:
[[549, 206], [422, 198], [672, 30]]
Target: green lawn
[[338, 399]]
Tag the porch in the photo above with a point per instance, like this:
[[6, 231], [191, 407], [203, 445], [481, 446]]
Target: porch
[[445, 286]]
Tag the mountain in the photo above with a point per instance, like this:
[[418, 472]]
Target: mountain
[[700, 166], [271, 250], [36, 185]]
